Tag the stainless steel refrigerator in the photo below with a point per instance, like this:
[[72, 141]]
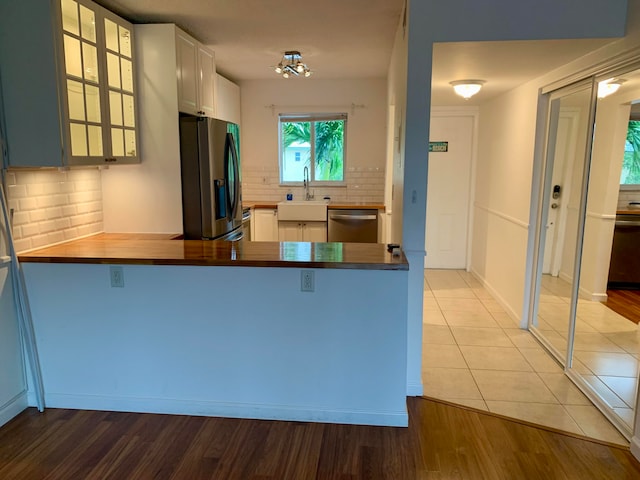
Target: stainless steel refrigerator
[[211, 189]]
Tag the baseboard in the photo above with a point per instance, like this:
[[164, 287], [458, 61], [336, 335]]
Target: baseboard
[[635, 447], [13, 407], [415, 389], [497, 297], [398, 418]]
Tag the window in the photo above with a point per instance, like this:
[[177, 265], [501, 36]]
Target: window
[[316, 141], [631, 164]]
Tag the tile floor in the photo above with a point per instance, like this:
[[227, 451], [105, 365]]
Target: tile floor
[[474, 354], [606, 345]]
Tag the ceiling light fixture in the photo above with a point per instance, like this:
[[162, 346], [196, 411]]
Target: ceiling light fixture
[[292, 64], [467, 88], [608, 87]]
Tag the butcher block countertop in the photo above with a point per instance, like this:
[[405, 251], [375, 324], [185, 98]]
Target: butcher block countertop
[[152, 249], [333, 205]]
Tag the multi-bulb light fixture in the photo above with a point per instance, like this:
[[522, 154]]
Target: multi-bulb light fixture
[[292, 64]]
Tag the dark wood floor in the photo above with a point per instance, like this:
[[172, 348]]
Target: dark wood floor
[[625, 302], [442, 442]]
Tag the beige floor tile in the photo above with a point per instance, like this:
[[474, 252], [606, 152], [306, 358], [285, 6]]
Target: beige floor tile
[[469, 319], [489, 337], [627, 415], [430, 303], [512, 386], [610, 322], [496, 358], [564, 389], [437, 334], [505, 320], [629, 341], [442, 356], [541, 360], [595, 342], [481, 293], [541, 413], [461, 304], [521, 338], [594, 424], [612, 364], [580, 367], [491, 305], [427, 293], [463, 292], [605, 392], [623, 387], [450, 384], [433, 317]]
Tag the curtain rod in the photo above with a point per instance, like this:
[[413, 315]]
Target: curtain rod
[[352, 106]]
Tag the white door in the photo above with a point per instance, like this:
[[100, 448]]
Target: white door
[[561, 180], [448, 192]]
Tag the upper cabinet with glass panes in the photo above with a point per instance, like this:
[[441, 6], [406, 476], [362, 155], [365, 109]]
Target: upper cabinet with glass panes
[[100, 90], [78, 96]]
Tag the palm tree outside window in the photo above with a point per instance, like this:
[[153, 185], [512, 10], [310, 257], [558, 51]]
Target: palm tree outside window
[[316, 141]]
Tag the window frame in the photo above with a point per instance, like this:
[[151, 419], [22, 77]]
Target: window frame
[[634, 117], [312, 117]]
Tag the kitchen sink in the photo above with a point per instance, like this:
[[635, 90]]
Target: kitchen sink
[[303, 210]]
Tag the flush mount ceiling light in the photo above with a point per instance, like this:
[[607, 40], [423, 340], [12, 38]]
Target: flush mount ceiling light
[[291, 64], [608, 87], [467, 88]]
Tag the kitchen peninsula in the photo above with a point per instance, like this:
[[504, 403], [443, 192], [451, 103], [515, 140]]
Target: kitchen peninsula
[[221, 328]]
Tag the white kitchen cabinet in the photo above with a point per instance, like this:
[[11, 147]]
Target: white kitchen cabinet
[[227, 100], [292, 231], [265, 221], [196, 72], [69, 91]]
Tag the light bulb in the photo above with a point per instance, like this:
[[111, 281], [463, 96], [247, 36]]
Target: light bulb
[[279, 68], [285, 74], [299, 68], [307, 73], [467, 88]]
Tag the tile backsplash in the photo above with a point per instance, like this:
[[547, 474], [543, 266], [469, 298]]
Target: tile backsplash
[[51, 206], [362, 184]]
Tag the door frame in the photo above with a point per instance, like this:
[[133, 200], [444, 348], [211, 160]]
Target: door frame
[[474, 113]]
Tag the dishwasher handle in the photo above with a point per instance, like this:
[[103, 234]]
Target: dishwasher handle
[[627, 223], [353, 217]]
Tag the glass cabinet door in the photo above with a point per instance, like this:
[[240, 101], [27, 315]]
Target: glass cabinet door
[[82, 79], [99, 84], [121, 89]]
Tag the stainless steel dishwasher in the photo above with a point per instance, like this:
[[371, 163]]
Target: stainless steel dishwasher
[[357, 225]]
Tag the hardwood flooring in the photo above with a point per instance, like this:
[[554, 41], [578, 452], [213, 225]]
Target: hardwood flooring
[[442, 442], [625, 302]]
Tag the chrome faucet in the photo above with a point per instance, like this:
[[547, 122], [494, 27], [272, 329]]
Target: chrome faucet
[[307, 195]]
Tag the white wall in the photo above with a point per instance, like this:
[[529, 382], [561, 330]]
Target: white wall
[[365, 143], [147, 198]]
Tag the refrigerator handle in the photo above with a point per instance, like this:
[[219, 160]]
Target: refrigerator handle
[[230, 151]]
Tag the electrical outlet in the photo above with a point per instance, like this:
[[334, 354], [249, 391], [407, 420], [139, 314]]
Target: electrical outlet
[[306, 281], [117, 277]]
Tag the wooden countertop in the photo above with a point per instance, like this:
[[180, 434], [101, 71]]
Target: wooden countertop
[[333, 205], [634, 211], [150, 249]]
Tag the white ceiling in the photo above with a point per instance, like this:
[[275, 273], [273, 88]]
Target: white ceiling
[[344, 39]]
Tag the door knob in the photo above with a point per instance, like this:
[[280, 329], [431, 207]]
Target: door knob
[[554, 205]]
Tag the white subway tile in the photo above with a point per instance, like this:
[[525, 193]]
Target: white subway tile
[[37, 215], [20, 218], [54, 212], [68, 210], [16, 191], [28, 203], [22, 244], [30, 230], [35, 189]]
